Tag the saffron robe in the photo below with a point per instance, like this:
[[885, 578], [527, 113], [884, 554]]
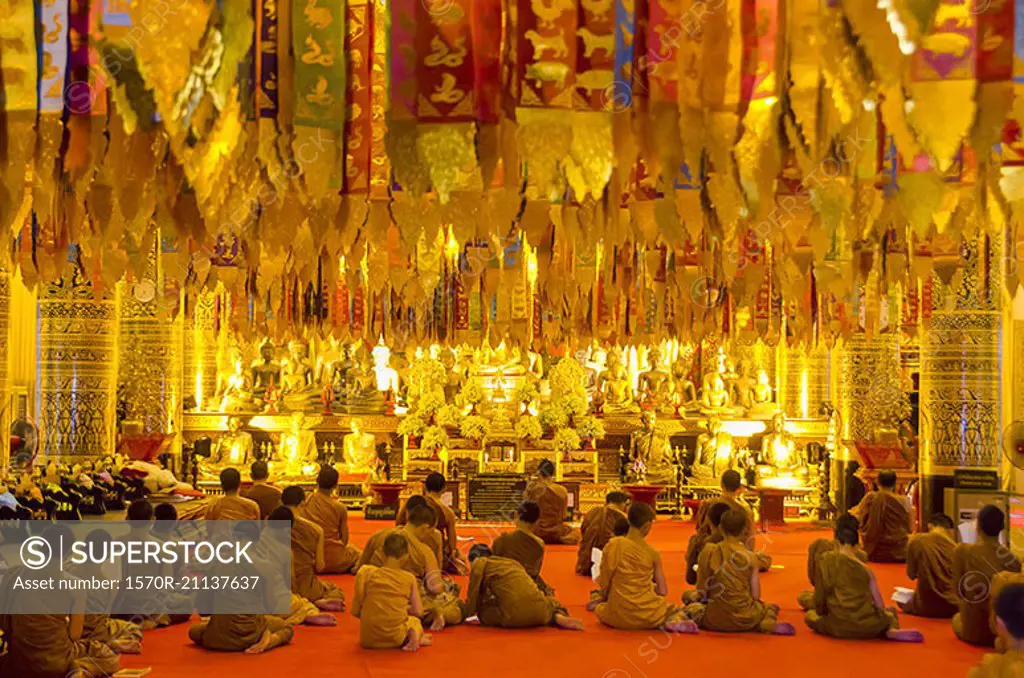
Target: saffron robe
[[527, 549], [382, 607], [626, 587], [1000, 580], [930, 562], [885, 527], [844, 606], [815, 551], [236, 632], [597, 530], [724, 573], [305, 546], [232, 508], [705, 529], [267, 497], [502, 594], [331, 516], [553, 500], [973, 568], [1009, 665], [450, 557], [39, 647]]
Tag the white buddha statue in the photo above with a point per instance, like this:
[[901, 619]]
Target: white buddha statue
[[387, 377], [360, 450]]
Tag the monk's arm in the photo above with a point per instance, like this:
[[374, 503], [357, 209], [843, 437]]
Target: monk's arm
[[913, 555], [609, 561], [820, 594], [357, 604], [320, 564], [403, 515], [76, 620], [704, 570], [476, 580], [433, 580], [755, 579], [415, 602], [343, 526], [876, 594], [660, 584], [451, 537]]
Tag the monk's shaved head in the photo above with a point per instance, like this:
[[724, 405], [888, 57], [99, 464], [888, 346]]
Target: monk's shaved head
[[1010, 609], [396, 545], [435, 482], [941, 520], [887, 479], [414, 501], [717, 510], [731, 481], [733, 522], [281, 513], [422, 515], [259, 470], [621, 527], [617, 498], [847, 536], [293, 496], [546, 469], [640, 514], [847, 521], [479, 551], [528, 512], [327, 479], [230, 479], [991, 520]]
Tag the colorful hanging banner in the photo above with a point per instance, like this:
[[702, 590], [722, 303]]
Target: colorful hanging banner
[[546, 56], [318, 39], [445, 67], [665, 34], [486, 31], [359, 65], [595, 52], [54, 31], [402, 58], [266, 58]]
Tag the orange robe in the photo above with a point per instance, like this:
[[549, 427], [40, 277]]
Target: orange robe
[[725, 576], [381, 605], [704, 530], [815, 551], [626, 587], [305, 545], [232, 508], [974, 565], [267, 497], [525, 548], [452, 560], [331, 516], [554, 504], [502, 594], [930, 562], [885, 527], [1009, 665], [236, 632], [39, 647], [844, 606], [597, 530], [998, 582]]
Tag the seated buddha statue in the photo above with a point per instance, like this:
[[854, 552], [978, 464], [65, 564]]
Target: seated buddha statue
[[361, 394], [615, 386], [339, 371], [653, 386], [714, 392], [298, 450], [454, 376], [265, 371], [360, 450], [236, 393], [299, 391], [651, 445], [499, 361], [716, 452], [779, 459], [234, 448], [682, 390], [762, 395], [743, 386]]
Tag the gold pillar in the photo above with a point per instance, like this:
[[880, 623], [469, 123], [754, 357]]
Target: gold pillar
[[149, 366], [5, 391], [200, 357], [806, 380], [872, 391], [77, 368]]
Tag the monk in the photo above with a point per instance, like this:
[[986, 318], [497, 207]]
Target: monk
[[232, 506], [702, 538], [266, 496], [598, 527], [847, 602], [553, 500], [886, 521], [331, 516], [999, 582], [440, 595], [452, 560], [523, 546], [732, 489], [502, 594], [121, 636], [433, 540], [727, 576], [632, 585], [1009, 613], [307, 555], [973, 567], [930, 563], [387, 601], [820, 547], [47, 645]]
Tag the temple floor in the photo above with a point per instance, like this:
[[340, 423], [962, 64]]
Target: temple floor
[[598, 651]]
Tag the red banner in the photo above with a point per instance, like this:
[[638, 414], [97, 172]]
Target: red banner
[[445, 70], [595, 53], [358, 79], [546, 56]]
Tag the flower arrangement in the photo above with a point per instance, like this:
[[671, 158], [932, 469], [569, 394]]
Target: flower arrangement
[[426, 377], [472, 393], [590, 428], [449, 416], [567, 440], [475, 427], [525, 392], [430, 401], [553, 416], [434, 438], [412, 425], [529, 428], [574, 405], [568, 378]]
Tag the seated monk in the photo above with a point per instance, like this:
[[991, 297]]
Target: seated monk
[[727, 577], [1009, 613], [502, 594], [433, 540], [973, 567], [523, 545], [120, 635], [702, 538], [732, 488], [886, 521], [266, 496], [232, 506], [307, 555], [631, 583], [553, 500], [930, 563], [847, 602], [452, 560], [387, 601], [597, 528], [820, 547], [46, 645], [230, 628], [331, 516], [440, 595], [1000, 581]]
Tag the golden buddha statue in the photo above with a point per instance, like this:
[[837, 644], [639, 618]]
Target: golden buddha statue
[[234, 448], [298, 383], [780, 462], [298, 448], [499, 361], [455, 377], [595, 365], [716, 452], [714, 392], [743, 386], [360, 450], [653, 386], [682, 390], [762, 395], [265, 371], [361, 394], [652, 446], [615, 387], [236, 392]]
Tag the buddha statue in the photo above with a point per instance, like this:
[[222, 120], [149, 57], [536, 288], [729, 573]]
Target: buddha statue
[[299, 391], [234, 448], [595, 366], [615, 387], [340, 369], [454, 376], [714, 392], [298, 448], [653, 386], [499, 361], [762, 395], [236, 393], [652, 447], [682, 390], [535, 365], [743, 386], [360, 450], [265, 371], [780, 460], [716, 452], [386, 377]]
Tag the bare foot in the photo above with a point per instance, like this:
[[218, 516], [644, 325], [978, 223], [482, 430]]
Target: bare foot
[[330, 605], [260, 645], [321, 620], [426, 639], [784, 629], [682, 627], [566, 622], [412, 641], [126, 646], [437, 624], [905, 635], [592, 605]]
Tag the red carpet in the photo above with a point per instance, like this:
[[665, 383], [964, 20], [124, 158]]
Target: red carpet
[[598, 652]]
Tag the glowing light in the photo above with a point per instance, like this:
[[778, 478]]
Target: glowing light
[[743, 428], [804, 395], [341, 265], [531, 266], [451, 245]]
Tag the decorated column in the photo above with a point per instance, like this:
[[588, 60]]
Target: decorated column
[[200, 354], [5, 342], [77, 368], [806, 380]]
